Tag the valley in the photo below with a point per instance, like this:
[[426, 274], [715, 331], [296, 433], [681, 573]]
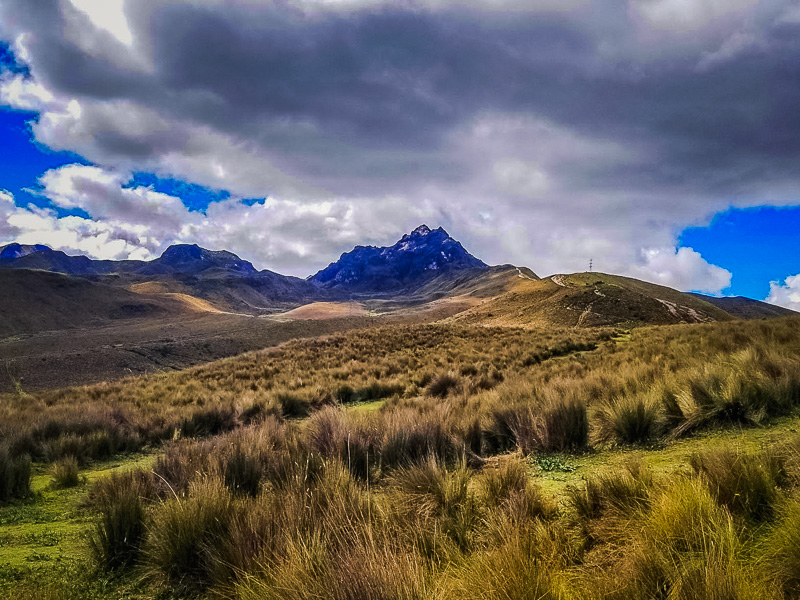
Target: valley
[[69, 320]]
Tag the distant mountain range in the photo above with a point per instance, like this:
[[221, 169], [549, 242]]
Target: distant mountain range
[[233, 284], [423, 266]]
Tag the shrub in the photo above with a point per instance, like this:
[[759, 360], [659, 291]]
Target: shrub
[[119, 532], [64, 473], [746, 484], [15, 476], [182, 532]]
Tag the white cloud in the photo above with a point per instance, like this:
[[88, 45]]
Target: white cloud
[[139, 223], [24, 93], [108, 15], [786, 294], [683, 269]]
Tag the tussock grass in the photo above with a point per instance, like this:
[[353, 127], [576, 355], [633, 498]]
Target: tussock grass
[[15, 476], [64, 473], [271, 484], [629, 419], [119, 531], [748, 485], [782, 548], [183, 532]]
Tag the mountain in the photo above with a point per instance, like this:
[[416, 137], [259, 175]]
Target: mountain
[[188, 259], [181, 259], [426, 270], [417, 258], [747, 308], [13, 251], [589, 299], [45, 259]]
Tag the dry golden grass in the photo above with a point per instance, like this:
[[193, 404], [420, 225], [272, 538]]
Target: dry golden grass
[[274, 487]]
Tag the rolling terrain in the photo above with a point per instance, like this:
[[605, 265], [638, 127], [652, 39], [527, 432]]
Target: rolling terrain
[[747, 308], [69, 320], [34, 301], [591, 299]]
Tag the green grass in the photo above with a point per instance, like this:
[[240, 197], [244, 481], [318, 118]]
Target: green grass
[[42, 538], [667, 458]]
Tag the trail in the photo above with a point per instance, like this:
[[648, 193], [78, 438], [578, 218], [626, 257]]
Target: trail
[[587, 311]]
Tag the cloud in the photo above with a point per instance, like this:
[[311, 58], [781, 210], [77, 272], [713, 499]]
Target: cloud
[[786, 294], [565, 130], [683, 269], [126, 221]]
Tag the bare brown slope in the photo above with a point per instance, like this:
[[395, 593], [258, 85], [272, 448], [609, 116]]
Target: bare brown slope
[[590, 299], [32, 301]]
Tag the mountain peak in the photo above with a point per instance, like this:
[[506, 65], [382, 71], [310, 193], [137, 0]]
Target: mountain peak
[[416, 257], [421, 230], [16, 250], [191, 258]]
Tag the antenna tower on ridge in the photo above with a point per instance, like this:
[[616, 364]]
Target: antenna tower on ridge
[[590, 265]]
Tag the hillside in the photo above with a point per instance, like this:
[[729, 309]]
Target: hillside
[[591, 299], [34, 301], [599, 459], [747, 308]]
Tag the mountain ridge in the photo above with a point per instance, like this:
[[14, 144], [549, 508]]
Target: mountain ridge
[[414, 259], [423, 266]]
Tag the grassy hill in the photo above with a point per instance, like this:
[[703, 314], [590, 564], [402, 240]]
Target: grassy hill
[[747, 308], [420, 461], [591, 299], [34, 301]]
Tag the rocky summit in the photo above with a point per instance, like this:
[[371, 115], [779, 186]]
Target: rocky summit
[[417, 257]]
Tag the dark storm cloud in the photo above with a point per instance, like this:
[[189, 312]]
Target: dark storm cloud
[[324, 88]]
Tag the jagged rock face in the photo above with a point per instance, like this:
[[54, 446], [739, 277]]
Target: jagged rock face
[[416, 257]]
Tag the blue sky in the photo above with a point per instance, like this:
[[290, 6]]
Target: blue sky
[[540, 134], [757, 245]]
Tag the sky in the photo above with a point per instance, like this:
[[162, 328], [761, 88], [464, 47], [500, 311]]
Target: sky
[[659, 138]]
